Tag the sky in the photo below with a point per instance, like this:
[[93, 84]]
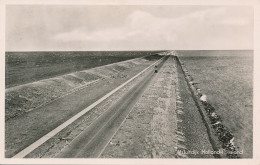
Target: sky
[[140, 27]]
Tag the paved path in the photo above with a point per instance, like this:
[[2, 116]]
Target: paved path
[[24, 130], [91, 142]]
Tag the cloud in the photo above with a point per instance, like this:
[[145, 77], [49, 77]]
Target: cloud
[[203, 29], [128, 27], [138, 25], [236, 22]]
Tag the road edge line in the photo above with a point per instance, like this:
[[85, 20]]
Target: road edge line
[[52, 133], [116, 130]]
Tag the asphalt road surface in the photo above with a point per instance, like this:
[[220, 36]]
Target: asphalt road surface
[[26, 129], [92, 141]]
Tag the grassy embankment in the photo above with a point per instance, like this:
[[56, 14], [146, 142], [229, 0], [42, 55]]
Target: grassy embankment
[[26, 67], [23, 98]]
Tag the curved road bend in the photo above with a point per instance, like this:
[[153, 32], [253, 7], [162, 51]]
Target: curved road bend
[[91, 142]]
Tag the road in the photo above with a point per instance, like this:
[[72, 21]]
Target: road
[[92, 141], [25, 130], [89, 131]]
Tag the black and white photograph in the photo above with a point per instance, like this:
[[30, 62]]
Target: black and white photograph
[[128, 81]]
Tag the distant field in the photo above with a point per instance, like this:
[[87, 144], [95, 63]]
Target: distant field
[[226, 77], [26, 67]]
